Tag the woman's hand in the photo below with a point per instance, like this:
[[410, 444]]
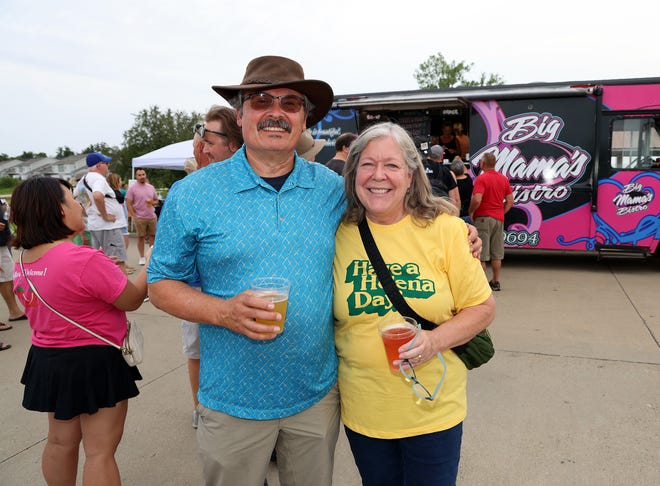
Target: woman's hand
[[420, 352], [474, 241]]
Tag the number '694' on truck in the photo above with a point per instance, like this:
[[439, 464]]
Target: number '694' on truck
[[582, 158]]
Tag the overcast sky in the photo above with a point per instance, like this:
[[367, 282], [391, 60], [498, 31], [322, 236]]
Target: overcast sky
[[74, 72]]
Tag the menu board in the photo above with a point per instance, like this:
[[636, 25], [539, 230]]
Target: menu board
[[419, 126]]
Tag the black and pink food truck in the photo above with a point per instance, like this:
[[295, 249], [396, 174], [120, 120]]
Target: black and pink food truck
[[583, 158]]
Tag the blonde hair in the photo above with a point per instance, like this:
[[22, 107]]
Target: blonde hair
[[114, 181], [419, 201]]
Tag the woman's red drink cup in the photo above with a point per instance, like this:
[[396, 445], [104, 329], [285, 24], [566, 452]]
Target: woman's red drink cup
[[396, 331]]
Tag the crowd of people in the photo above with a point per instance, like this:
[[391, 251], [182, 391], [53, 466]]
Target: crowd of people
[[328, 360]]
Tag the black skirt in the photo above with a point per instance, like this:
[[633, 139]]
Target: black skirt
[[72, 381]]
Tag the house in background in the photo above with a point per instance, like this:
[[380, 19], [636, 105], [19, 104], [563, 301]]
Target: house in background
[[29, 167], [66, 168], [9, 166]]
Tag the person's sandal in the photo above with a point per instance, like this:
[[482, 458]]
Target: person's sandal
[[4, 346], [495, 286]]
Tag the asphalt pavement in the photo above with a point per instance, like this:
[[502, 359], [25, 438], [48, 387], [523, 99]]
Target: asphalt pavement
[[572, 396]]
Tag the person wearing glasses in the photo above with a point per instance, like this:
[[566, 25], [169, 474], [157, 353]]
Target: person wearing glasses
[[262, 212], [402, 432], [215, 140], [220, 133]]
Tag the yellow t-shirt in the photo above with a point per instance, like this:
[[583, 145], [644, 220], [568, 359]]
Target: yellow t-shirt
[[438, 277]]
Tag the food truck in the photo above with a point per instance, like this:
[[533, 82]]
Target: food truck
[[582, 158]]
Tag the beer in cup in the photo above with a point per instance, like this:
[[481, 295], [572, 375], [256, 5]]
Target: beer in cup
[[276, 290], [396, 331]]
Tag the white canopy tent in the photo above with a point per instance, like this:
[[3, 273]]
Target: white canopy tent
[[171, 156]]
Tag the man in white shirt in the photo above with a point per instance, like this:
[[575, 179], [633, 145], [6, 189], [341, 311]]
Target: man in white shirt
[[105, 216]]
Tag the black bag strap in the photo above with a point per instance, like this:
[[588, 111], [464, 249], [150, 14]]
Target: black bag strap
[[87, 185], [90, 189], [386, 280]]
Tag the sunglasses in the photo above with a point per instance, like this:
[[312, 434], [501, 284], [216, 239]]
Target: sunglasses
[[201, 130], [263, 101], [409, 374], [418, 389]]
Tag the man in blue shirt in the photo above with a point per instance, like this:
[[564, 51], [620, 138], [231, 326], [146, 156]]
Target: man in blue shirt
[[263, 212]]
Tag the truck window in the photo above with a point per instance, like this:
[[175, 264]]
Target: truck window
[[635, 143]]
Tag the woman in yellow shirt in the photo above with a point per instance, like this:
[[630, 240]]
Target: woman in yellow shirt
[[395, 437]]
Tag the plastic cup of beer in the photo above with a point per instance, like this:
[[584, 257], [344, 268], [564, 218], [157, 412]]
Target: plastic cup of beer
[[396, 331], [276, 290]]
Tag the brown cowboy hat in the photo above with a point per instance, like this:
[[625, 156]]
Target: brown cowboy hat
[[268, 72]]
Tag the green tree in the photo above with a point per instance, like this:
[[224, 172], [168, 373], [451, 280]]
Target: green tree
[[4, 157], [102, 147], [31, 155], [436, 72], [64, 152], [154, 129]]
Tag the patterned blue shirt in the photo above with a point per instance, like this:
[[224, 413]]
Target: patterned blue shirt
[[228, 225]]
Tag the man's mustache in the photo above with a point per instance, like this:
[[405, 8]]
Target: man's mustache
[[274, 123]]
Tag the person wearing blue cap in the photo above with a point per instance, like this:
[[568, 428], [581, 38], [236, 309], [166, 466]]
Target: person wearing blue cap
[[105, 216]]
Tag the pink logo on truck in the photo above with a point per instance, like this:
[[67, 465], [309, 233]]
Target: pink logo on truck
[[632, 198], [628, 212]]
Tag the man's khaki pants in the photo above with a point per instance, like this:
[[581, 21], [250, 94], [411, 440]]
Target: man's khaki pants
[[236, 451]]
